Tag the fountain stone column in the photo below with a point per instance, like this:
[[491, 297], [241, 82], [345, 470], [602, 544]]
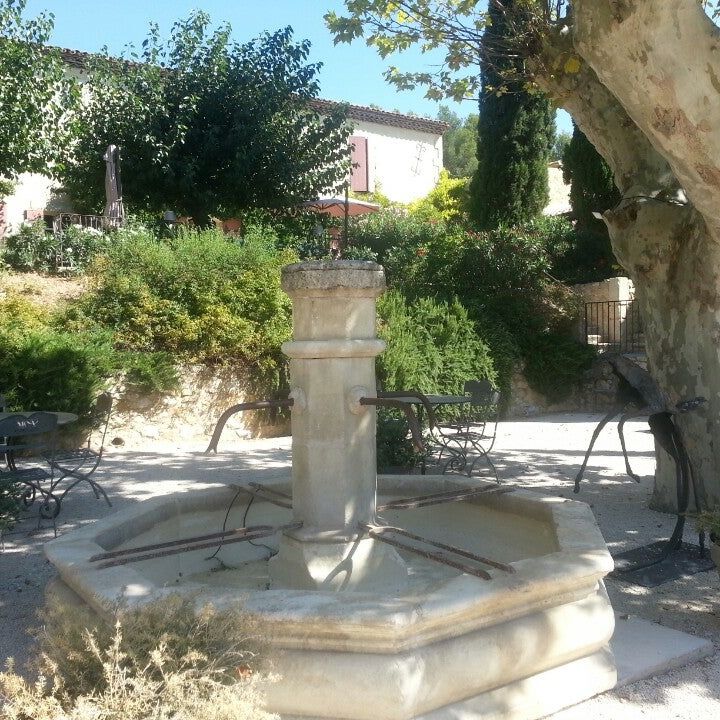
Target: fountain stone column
[[332, 365]]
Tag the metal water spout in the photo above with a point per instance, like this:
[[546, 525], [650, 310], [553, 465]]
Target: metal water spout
[[332, 367]]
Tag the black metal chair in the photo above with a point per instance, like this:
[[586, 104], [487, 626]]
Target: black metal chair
[[29, 450], [436, 451], [473, 436], [78, 465]]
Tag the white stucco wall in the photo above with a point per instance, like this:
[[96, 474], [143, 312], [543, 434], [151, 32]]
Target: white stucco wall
[[32, 192], [403, 164]]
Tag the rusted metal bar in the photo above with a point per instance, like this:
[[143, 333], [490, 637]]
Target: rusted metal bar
[[422, 398], [149, 552], [415, 431], [439, 498], [242, 407], [384, 534], [277, 497]]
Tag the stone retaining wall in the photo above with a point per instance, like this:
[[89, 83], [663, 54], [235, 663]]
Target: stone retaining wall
[[597, 392], [186, 417]]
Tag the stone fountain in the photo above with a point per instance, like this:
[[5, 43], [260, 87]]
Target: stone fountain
[[386, 598]]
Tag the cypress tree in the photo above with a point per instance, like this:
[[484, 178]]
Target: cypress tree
[[516, 130], [592, 189]]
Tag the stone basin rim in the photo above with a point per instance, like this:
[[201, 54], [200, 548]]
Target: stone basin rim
[[385, 623]]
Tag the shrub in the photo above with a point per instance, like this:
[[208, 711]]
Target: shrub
[[432, 347], [35, 248], [386, 231], [201, 296], [164, 661], [42, 367], [31, 248], [447, 202], [554, 364], [503, 280]]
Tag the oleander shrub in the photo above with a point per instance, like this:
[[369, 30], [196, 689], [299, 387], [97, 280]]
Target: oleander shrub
[[200, 296], [392, 228], [164, 661]]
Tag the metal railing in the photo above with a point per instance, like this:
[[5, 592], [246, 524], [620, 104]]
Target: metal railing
[[614, 325], [95, 222]]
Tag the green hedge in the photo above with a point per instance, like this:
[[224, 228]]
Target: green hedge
[[504, 279], [201, 296]]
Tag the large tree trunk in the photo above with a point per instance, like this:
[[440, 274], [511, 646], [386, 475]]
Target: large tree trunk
[[646, 92]]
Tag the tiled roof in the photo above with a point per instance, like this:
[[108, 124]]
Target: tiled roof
[[75, 58], [78, 59], [385, 117]]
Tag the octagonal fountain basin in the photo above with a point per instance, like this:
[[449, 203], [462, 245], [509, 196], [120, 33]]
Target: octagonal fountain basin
[[434, 642]]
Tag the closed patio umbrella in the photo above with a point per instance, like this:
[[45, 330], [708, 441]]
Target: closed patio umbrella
[[114, 213]]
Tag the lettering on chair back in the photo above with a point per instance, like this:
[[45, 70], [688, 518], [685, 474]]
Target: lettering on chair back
[[35, 424]]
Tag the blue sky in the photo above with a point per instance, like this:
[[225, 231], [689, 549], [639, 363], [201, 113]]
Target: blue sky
[[352, 73]]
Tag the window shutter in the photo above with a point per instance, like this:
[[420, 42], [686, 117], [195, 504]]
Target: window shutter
[[359, 171]]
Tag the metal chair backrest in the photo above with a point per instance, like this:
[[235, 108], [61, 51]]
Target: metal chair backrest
[[101, 416], [482, 392], [30, 433]]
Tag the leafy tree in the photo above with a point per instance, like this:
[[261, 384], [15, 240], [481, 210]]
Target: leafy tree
[[562, 140], [661, 144], [515, 132], [459, 143], [35, 95], [208, 127]]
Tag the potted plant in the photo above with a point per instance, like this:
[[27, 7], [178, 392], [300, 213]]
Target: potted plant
[[709, 522]]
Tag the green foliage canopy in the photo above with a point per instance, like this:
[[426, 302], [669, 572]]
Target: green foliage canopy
[[591, 180], [209, 127], [592, 189], [35, 94]]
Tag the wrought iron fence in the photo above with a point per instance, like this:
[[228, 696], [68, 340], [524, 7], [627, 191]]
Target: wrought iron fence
[[95, 222], [614, 325]]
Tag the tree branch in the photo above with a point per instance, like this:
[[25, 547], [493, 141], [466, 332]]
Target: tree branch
[[638, 168]]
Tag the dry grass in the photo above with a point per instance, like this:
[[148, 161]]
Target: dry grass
[[164, 661], [52, 292]]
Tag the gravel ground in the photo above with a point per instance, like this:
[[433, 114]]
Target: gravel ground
[[543, 454]]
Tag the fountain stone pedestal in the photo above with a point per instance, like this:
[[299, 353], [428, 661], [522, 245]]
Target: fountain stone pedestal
[[332, 365]]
